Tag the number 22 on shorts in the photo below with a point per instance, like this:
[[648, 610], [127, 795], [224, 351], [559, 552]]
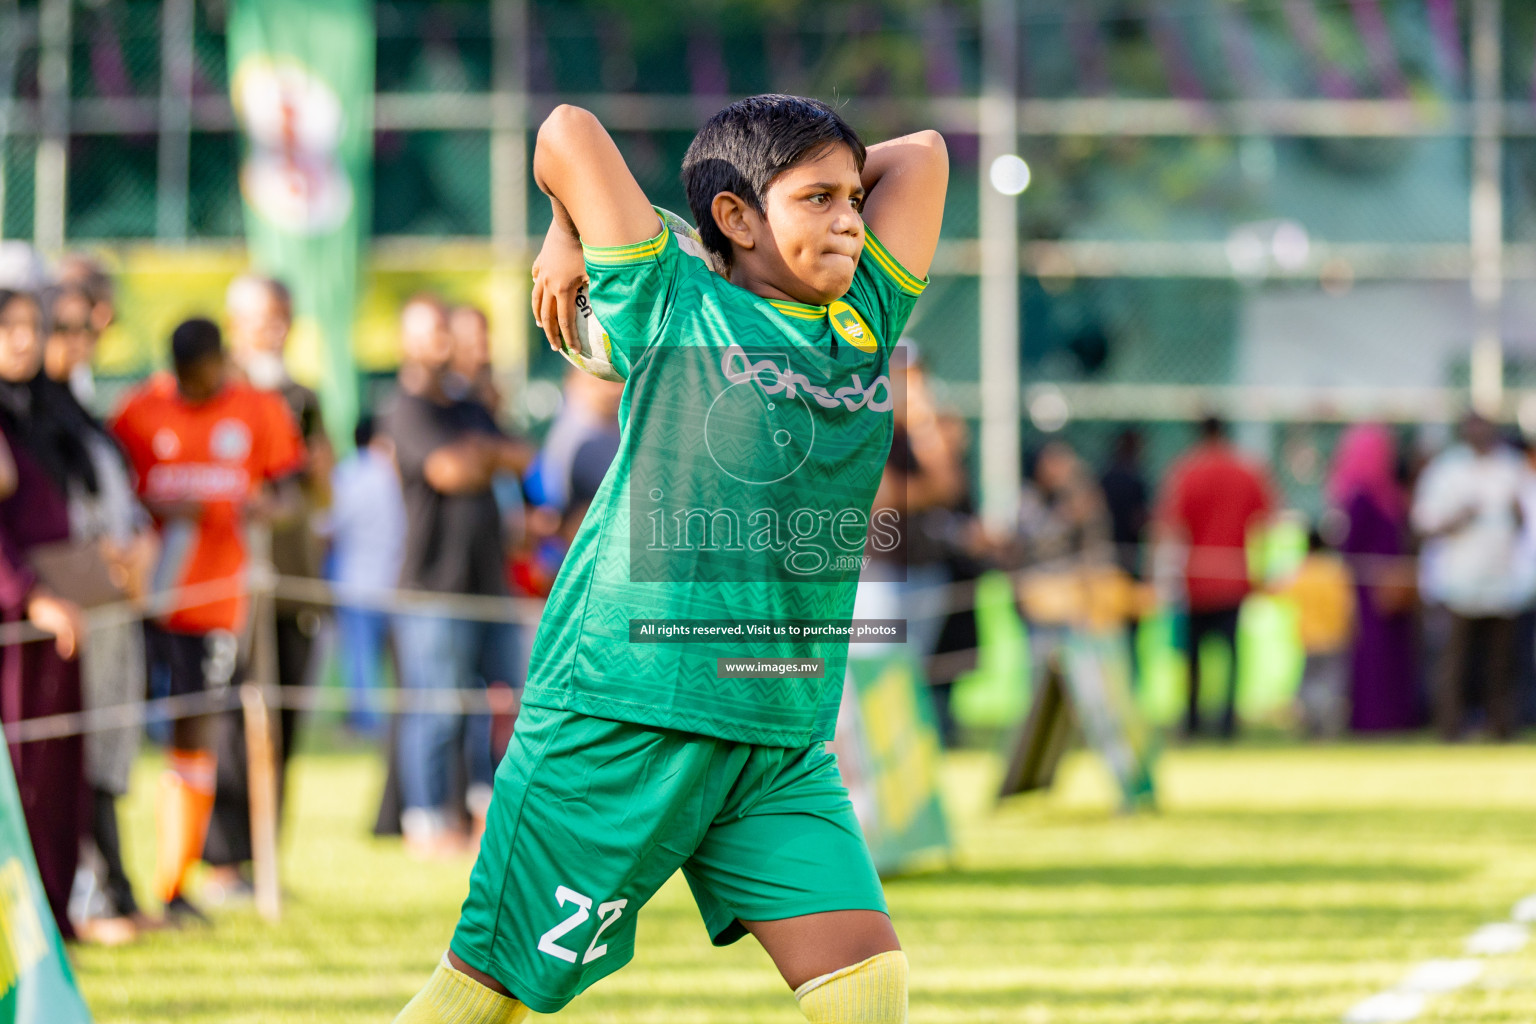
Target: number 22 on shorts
[[608, 914]]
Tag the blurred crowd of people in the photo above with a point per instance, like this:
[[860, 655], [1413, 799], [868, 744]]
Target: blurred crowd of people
[[125, 534], [1414, 599]]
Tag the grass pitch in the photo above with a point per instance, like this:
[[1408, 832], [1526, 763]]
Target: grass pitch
[[1277, 884]]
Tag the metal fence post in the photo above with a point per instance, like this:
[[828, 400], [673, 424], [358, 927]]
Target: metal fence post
[[262, 741], [173, 173], [999, 376], [509, 186], [50, 194], [1487, 209]]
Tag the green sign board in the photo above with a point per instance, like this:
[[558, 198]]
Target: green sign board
[[36, 985], [888, 749]]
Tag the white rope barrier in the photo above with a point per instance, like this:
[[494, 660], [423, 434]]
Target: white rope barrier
[[261, 582], [391, 701]]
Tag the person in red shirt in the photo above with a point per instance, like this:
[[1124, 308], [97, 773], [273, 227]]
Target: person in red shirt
[[1211, 500], [207, 452]]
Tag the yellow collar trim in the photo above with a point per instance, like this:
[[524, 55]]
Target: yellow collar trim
[[798, 310]]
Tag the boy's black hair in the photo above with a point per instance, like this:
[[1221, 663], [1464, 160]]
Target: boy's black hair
[[748, 144], [193, 341]]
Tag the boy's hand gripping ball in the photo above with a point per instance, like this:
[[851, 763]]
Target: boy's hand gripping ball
[[594, 353]]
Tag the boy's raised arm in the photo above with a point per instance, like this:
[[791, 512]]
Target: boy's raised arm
[[905, 180], [596, 200], [576, 163]]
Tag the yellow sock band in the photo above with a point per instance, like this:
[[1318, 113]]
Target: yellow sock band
[[451, 997], [871, 992]]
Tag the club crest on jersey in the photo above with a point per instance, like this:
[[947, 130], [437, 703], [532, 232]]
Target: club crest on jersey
[[851, 327], [230, 441]]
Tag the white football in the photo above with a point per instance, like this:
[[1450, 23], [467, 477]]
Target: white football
[[594, 352]]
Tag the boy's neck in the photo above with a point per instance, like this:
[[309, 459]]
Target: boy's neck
[[743, 274]]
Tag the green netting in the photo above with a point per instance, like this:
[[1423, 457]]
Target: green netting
[[116, 51], [18, 158], [112, 186], [214, 209], [868, 56], [432, 183]]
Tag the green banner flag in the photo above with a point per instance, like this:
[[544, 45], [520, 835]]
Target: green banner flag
[[36, 985], [888, 751], [301, 82]]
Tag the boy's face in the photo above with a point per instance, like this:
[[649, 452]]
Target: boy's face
[[812, 226]]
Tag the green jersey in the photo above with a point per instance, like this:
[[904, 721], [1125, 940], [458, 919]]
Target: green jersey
[[733, 522]]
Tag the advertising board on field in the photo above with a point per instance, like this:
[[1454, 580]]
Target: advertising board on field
[[889, 751], [36, 984]]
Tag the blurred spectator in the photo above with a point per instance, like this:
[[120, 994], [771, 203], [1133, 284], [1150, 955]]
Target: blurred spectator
[[1063, 544], [7, 464], [1212, 499], [367, 531], [38, 679], [212, 456], [1062, 515], [1525, 624], [922, 475], [1363, 487], [590, 407], [105, 516], [260, 314], [956, 529], [472, 376], [22, 269], [471, 363], [1322, 591], [85, 276], [1128, 499], [1467, 509], [448, 450]]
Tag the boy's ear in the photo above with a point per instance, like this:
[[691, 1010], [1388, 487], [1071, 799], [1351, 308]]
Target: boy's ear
[[734, 217]]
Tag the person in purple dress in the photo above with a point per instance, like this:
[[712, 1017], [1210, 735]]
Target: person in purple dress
[[38, 678], [1384, 688]]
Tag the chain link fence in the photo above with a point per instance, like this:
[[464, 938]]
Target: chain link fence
[[1233, 207]]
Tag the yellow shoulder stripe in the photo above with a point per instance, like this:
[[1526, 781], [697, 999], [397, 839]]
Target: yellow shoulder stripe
[[618, 254], [883, 258]]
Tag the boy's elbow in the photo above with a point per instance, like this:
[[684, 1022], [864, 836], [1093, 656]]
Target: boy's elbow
[[930, 138], [566, 118], [564, 128], [935, 150], [927, 155], [558, 138]]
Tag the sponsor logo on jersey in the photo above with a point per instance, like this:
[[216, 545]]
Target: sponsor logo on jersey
[[775, 378], [196, 481], [230, 441], [165, 444], [851, 327]]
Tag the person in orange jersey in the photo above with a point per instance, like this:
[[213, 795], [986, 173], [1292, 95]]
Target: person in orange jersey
[[212, 455]]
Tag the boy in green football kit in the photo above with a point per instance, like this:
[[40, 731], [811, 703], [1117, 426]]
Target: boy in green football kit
[[757, 421]]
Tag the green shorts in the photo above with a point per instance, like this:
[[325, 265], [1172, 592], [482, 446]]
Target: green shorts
[[591, 817]]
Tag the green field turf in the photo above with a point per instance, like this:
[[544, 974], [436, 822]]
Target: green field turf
[[1278, 884]]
